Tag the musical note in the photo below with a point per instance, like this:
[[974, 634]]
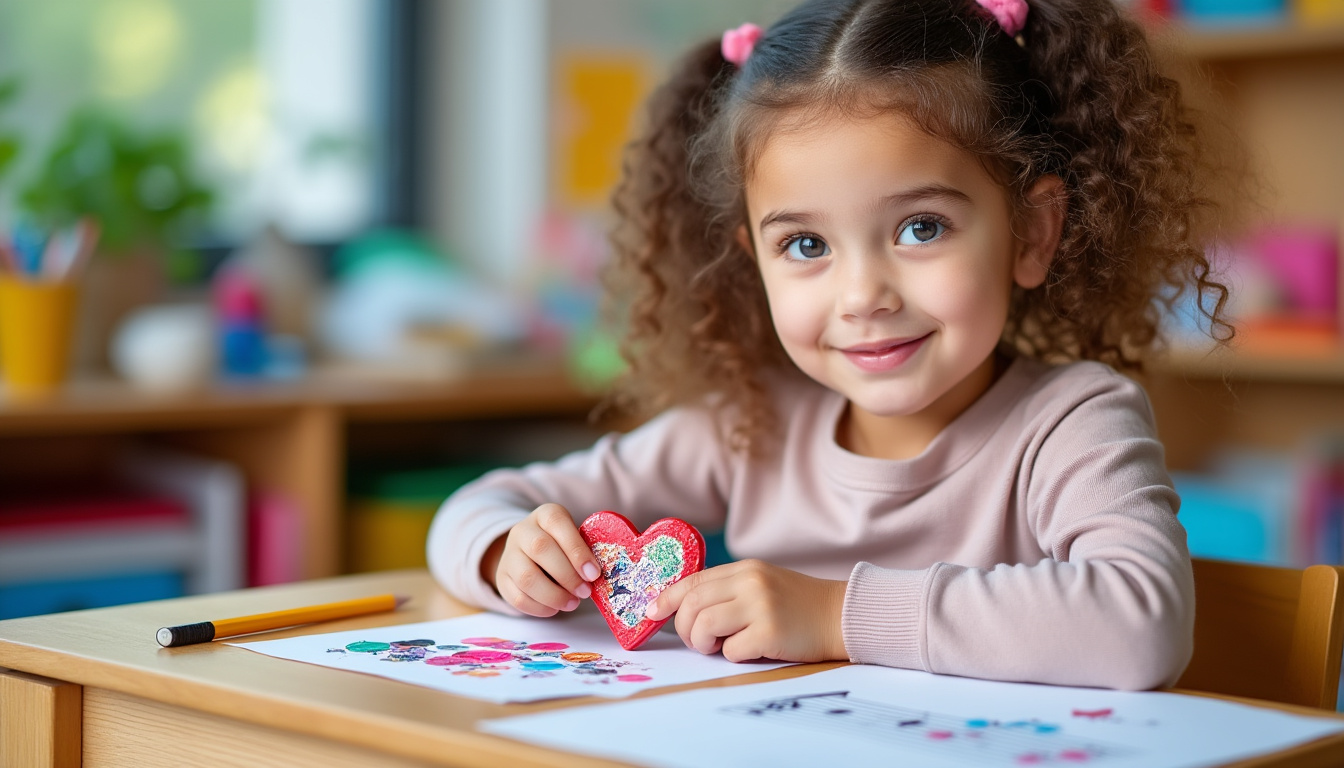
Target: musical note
[[983, 741]]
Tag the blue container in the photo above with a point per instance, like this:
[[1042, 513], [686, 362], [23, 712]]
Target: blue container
[[1222, 522], [30, 598], [1232, 11], [242, 348]]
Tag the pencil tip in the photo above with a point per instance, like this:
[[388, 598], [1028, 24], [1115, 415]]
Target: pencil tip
[[402, 600]]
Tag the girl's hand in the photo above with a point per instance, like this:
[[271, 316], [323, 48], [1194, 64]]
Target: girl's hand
[[543, 565], [754, 610]]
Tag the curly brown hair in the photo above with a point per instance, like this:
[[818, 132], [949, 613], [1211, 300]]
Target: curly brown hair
[[1079, 94]]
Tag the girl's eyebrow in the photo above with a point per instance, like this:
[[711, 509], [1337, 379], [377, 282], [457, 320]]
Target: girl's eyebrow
[[786, 217], [933, 191]]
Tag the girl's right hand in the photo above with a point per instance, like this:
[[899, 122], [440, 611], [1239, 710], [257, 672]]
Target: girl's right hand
[[544, 566]]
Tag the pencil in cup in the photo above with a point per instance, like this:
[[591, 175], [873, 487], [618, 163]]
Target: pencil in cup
[[205, 631]]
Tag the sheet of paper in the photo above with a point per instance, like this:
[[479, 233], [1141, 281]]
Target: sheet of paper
[[505, 659], [866, 715]]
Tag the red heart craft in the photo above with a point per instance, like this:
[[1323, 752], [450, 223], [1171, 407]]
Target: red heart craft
[[637, 567]]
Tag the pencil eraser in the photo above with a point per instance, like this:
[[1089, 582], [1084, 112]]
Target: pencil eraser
[[637, 567], [186, 634]]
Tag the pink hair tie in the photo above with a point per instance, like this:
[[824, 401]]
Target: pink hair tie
[[738, 43], [1011, 14]]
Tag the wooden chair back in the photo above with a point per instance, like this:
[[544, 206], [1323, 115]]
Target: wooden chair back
[[1267, 633]]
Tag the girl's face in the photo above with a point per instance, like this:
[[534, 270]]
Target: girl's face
[[889, 260]]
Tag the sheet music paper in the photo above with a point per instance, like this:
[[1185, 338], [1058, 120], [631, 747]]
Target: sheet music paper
[[505, 659], [867, 715]]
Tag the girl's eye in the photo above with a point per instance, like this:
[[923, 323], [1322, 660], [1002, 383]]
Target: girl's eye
[[919, 232], [807, 247]]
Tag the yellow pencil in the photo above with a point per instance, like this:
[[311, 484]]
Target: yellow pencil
[[206, 631]]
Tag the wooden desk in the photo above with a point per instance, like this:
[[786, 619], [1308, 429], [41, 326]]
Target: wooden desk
[[111, 693]]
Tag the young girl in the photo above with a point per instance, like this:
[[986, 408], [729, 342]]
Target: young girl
[[880, 265]]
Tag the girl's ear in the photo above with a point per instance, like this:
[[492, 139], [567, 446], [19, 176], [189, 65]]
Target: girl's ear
[[744, 240], [1039, 230]]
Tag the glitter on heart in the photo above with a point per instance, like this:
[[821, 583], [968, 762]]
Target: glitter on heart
[[668, 551], [632, 586]]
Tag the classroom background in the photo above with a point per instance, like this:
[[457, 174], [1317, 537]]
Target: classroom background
[[279, 275]]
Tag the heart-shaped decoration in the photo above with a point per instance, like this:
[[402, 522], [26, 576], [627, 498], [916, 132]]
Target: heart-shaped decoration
[[637, 567]]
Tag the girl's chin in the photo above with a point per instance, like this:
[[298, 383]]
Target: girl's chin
[[881, 408]]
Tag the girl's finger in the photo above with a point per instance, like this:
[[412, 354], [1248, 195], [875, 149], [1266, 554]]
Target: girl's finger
[[556, 521], [702, 596], [540, 547], [744, 645], [515, 597], [534, 583], [715, 624], [670, 599]]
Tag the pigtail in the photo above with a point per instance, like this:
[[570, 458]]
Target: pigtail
[[672, 286], [1138, 208]]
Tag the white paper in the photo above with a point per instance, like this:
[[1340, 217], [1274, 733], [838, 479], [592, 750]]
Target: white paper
[[510, 659], [867, 715]]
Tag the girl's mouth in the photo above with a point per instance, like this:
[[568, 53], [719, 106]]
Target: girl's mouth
[[883, 356]]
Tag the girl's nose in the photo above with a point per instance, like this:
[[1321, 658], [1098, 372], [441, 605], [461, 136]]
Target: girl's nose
[[865, 286]]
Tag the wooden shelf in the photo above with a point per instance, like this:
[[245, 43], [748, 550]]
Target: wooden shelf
[[1324, 368], [1230, 44], [286, 437], [113, 406]]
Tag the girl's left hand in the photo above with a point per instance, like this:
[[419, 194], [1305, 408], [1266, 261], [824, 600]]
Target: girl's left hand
[[754, 610]]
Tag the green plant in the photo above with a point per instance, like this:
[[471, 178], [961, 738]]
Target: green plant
[[10, 143], [138, 185]]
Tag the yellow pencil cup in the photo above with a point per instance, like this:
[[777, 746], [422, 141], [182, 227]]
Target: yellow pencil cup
[[37, 320]]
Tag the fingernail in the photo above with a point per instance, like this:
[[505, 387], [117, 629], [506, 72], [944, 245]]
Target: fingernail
[[572, 604], [652, 610], [590, 572], [582, 591]]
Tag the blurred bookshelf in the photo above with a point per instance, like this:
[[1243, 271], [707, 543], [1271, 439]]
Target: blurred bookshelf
[[1323, 367], [1247, 44], [1254, 434], [295, 439]]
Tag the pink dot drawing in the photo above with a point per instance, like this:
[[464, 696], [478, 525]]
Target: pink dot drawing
[[498, 643], [940, 735], [633, 678], [1030, 758], [547, 647], [470, 657], [1074, 756]]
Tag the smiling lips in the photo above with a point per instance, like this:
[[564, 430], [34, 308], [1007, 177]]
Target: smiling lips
[[883, 356]]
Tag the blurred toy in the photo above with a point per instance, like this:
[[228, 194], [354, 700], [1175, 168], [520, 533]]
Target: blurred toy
[[637, 567], [288, 278], [166, 347], [565, 284], [566, 291], [239, 312], [1303, 262], [403, 307]]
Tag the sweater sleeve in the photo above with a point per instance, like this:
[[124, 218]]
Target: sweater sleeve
[[672, 466], [1112, 604]]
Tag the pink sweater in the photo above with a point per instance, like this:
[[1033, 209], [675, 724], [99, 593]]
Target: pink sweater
[[1035, 539]]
